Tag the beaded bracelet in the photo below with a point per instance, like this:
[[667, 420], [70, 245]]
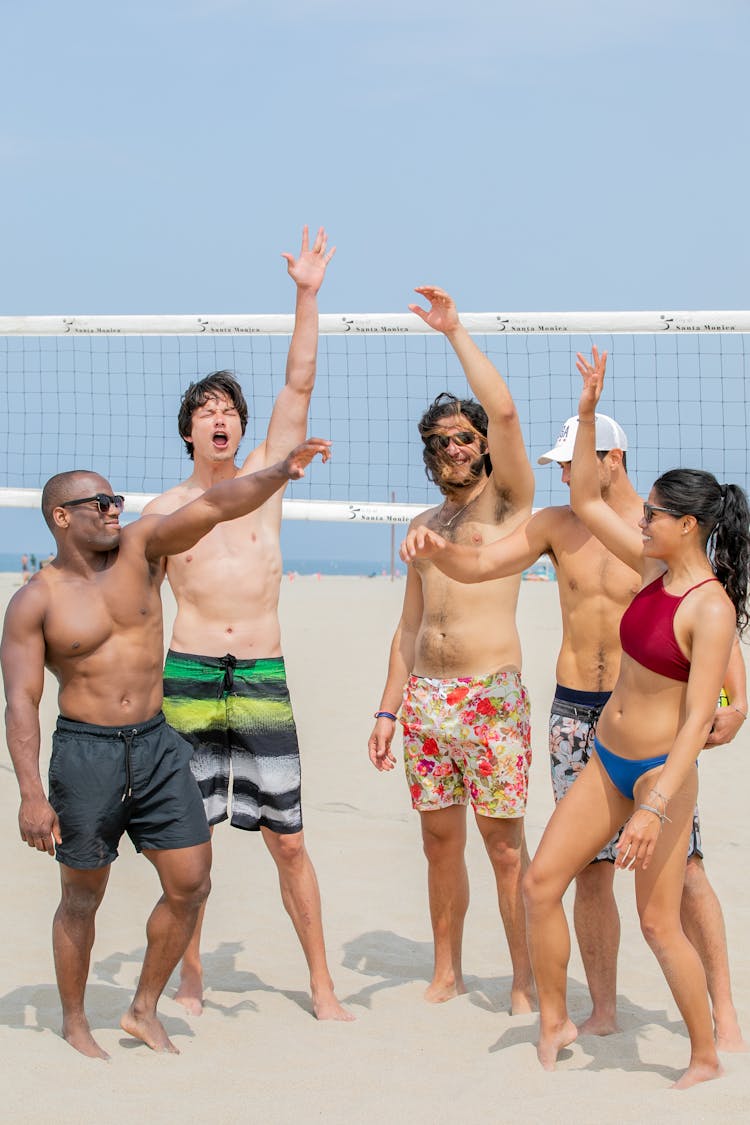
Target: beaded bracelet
[[385, 715]]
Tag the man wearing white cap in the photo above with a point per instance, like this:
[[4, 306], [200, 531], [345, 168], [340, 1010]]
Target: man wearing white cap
[[594, 589]]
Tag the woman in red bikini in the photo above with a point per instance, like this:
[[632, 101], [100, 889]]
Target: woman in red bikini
[[693, 553]]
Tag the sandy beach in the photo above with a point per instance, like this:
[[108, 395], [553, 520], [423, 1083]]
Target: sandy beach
[[257, 1053]]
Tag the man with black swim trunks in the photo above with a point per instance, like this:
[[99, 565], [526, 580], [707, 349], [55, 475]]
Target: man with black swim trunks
[[94, 618]]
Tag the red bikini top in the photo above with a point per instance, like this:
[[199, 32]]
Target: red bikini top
[[647, 630]]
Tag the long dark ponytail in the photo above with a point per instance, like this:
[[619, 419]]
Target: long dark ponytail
[[723, 516]]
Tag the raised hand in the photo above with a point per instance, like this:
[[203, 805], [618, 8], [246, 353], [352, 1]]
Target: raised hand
[[421, 543], [593, 382], [442, 314], [308, 270], [301, 456]]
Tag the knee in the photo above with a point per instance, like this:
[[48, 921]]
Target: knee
[[594, 884], [505, 854], [189, 894], [81, 902], [439, 846], [288, 851], [537, 889], [658, 928], [695, 879]]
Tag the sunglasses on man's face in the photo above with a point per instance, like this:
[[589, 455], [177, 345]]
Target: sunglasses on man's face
[[102, 500], [650, 509], [442, 441]]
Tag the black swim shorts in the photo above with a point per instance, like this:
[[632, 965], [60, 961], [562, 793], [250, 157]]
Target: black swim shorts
[[105, 781]]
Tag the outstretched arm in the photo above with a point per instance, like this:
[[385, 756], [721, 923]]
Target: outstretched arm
[[511, 470], [617, 535], [22, 654], [171, 534], [288, 424], [478, 564]]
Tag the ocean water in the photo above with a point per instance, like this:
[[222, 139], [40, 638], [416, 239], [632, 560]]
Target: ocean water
[[11, 564]]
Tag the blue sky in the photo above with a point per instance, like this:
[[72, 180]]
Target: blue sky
[[157, 157]]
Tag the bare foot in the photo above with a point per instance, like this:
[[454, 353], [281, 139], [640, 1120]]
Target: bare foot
[[438, 991], [149, 1030], [598, 1024], [327, 1007], [699, 1072], [551, 1043], [190, 992], [522, 1001], [78, 1034], [729, 1035]]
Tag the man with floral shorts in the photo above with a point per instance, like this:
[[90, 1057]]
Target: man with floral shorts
[[468, 741], [455, 665]]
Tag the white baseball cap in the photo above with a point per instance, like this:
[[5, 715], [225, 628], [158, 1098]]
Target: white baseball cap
[[609, 435]]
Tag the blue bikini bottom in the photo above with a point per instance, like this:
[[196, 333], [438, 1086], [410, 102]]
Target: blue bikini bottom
[[624, 772]]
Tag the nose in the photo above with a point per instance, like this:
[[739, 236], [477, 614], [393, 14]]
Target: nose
[[565, 472]]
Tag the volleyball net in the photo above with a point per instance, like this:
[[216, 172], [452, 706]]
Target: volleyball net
[[103, 393]]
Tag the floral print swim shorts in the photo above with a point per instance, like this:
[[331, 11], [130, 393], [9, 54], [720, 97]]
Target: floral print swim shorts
[[468, 740]]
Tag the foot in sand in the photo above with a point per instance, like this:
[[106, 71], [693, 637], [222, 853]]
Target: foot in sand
[[729, 1036], [190, 992], [699, 1072], [441, 989], [522, 1000], [553, 1041], [599, 1023], [327, 1007], [78, 1034], [149, 1030]]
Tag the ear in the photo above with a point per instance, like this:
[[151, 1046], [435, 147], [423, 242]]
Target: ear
[[61, 517], [614, 457], [688, 523]]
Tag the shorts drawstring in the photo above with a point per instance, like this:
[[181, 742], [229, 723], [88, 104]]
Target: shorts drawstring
[[228, 663], [127, 737]]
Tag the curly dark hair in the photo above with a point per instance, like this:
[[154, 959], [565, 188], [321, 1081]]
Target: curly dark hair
[[448, 405], [723, 517], [198, 394]]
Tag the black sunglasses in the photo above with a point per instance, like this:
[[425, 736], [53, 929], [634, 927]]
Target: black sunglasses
[[649, 509], [102, 499], [442, 441]]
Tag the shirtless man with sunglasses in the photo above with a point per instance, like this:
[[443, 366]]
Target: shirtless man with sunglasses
[[455, 664], [93, 616]]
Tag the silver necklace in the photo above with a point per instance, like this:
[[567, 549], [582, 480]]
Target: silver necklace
[[456, 514]]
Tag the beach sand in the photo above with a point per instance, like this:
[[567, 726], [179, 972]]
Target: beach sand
[[257, 1053]]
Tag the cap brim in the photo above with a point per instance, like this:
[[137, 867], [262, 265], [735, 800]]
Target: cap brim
[[558, 454]]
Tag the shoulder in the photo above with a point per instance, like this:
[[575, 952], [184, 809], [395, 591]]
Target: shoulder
[[171, 500], [29, 604], [426, 518]]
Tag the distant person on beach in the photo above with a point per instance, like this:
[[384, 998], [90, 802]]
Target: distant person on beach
[[224, 678], [455, 664], [94, 618], [595, 588], [25, 574]]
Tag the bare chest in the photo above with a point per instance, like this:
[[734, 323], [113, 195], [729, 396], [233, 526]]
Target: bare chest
[[84, 618]]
